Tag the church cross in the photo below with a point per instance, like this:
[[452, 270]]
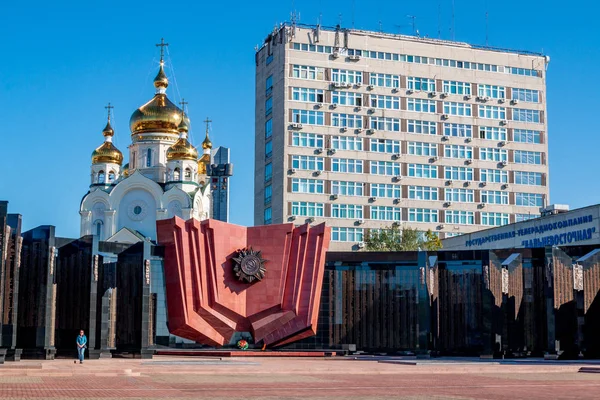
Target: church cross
[[207, 121], [162, 46], [183, 104], [109, 107]]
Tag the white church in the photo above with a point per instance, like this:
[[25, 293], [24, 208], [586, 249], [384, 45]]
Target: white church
[[164, 176]]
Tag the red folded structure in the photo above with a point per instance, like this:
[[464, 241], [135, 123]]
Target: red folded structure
[[209, 296]]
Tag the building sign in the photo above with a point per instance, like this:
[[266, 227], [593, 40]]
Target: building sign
[[568, 229]]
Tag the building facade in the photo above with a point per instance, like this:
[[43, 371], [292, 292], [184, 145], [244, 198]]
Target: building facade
[[364, 129], [220, 171]]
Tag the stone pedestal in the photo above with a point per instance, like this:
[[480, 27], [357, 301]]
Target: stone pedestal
[[94, 354], [147, 354], [2, 355], [13, 354], [49, 353], [105, 353]]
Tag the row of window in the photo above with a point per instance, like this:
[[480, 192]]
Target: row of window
[[313, 117], [393, 81], [387, 190], [425, 193], [380, 55], [388, 213], [342, 234]]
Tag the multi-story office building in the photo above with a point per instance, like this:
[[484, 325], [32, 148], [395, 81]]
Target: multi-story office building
[[365, 129]]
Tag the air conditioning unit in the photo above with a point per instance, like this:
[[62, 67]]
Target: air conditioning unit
[[396, 156], [445, 138], [358, 130], [432, 94], [360, 221], [331, 151], [370, 131], [505, 186], [501, 100], [371, 110], [370, 87], [334, 197], [449, 182], [441, 226], [360, 245], [483, 184], [468, 161], [410, 91], [397, 178], [395, 223], [433, 159], [335, 54], [372, 199], [502, 143], [445, 94], [467, 183], [292, 170], [354, 58], [515, 101], [445, 116], [358, 84], [447, 204], [344, 128], [481, 205], [292, 218], [395, 90], [318, 151], [357, 108], [468, 97], [310, 220], [334, 105], [317, 173], [319, 105], [296, 125], [487, 98], [503, 163], [397, 201], [503, 122], [468, 140]]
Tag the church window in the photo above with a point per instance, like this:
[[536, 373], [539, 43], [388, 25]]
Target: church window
[[149, 158], [176, 174], [101, 177], [188, 174], [137, 210], [111, 177], [99, 228], [132, 163]]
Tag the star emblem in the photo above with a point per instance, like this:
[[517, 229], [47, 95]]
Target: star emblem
[[249, 266]]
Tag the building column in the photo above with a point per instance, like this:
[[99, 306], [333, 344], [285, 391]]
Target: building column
[[91, 335], [86, 223], [147, 350], [110, 225], [50, 316]]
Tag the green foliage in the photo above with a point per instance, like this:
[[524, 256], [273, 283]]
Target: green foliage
[[396, 239]]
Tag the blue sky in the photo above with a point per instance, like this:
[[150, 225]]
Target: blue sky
[[63, 61]]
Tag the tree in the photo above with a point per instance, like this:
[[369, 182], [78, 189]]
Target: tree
[[406, 239]]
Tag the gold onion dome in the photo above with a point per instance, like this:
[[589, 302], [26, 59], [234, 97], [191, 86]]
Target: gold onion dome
[[206, 144], [159, 114], [182, 149], [107, 152]]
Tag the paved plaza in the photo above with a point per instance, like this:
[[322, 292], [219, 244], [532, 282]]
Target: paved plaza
[[295, 378]]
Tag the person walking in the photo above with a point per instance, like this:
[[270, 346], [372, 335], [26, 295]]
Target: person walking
[[81, 345]]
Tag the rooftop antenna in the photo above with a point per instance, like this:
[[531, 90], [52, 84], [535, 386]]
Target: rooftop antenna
[[453, 28], [413, 18], [487, 27], [380, 27], [340, 19], [353, 6], [439, 20]]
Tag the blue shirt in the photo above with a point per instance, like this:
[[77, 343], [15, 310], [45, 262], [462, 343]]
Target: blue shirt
[[81, 340]]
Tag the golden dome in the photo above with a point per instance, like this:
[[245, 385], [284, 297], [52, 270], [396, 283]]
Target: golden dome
[[107, 153], [182, 150], [206, 144], [125, 170], [108, 130], [159, 114], [161, 80]]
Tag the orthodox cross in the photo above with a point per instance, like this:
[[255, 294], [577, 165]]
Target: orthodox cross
[[109, 107], [162, 46], [183, 103], [207, 121]]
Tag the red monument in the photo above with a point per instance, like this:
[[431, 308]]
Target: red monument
[[223, 278]]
